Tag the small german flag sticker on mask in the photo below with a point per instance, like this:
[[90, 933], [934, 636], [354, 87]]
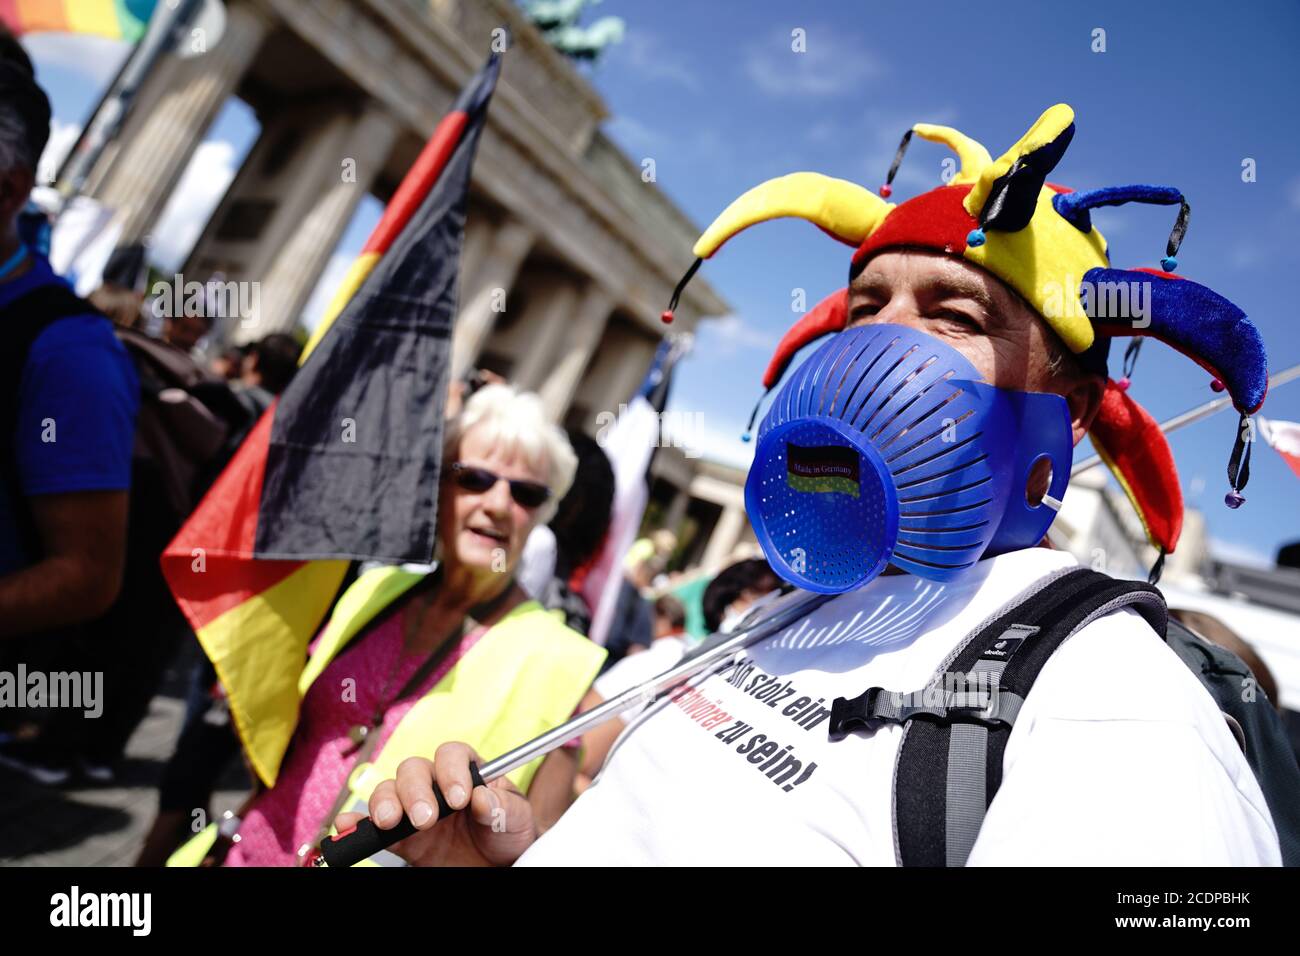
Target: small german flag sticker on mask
[[823, 468]]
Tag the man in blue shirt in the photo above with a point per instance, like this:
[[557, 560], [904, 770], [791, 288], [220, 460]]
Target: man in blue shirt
[[68, 401]]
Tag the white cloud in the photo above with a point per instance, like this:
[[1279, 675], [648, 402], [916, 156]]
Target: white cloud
[[201, 187], [647, 55], [204, 182], [330, 278], [634, 136], [96, 58], [874, 134], [922, 169], [678, 154], [62, 136], [702, 436], [823, 131], [1244, 254], [830, 63], [1234, 552], [723, 336], [1110, 223]]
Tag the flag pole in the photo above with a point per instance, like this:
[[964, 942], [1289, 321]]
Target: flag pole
[[65, 163], [1194, 415], [365, 839], [106, 122]]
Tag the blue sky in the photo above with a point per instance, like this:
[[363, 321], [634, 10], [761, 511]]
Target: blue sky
[[713, 93]]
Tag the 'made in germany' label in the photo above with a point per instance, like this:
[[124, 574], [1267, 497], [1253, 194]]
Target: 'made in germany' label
[[822, 469]]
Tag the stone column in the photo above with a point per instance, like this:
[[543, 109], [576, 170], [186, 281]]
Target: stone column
[[577, 343], [634, 361], [474, 249], [144, 171], [677, 510], [313, 213], [543, 327], [726, 534], [481, 293]]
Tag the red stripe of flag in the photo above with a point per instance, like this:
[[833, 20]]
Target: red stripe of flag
[[221, 531], [417, 182]]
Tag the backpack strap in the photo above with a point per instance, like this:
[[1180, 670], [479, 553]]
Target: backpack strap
[[957, 727]]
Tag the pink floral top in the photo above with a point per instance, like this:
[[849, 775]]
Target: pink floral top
[[320, 757]]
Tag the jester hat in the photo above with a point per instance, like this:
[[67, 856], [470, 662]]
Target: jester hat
[[1037, 238]]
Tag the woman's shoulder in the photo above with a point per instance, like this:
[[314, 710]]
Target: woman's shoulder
[[367, 597], [545, 630], [530, 613], [380, 585]]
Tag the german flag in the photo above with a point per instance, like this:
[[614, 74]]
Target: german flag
[[346, 464]]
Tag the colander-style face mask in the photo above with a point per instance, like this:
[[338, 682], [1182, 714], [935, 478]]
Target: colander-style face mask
[[886, 446]]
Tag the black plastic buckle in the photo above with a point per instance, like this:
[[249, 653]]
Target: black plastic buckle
[[856, 714]]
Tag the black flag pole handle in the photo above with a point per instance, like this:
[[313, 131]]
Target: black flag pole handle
[[365, 839]]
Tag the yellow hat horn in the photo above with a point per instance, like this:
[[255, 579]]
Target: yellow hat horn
[[843, 210], [1034, 155]]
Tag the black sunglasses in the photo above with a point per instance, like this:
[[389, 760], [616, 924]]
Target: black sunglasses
[[530, 494]]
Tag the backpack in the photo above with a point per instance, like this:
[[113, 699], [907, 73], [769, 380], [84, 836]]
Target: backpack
[[180, 430], [950, 762]]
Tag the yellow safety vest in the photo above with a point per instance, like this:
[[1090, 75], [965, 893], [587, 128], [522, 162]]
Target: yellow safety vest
[[527, 674]]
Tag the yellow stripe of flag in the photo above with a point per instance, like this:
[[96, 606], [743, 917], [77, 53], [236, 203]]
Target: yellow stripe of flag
[[357, 272], [259, 646]]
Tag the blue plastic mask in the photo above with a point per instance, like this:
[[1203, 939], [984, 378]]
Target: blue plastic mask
[[886, 446]]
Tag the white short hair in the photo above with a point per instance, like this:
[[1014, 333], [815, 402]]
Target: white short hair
[[518, 419]]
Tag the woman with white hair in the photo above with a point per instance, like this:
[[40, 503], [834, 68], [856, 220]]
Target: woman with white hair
[[410, 660]]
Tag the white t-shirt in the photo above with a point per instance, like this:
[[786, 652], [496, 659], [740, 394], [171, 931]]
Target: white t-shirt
[[537, 562], [1118, 757], [663, 653]]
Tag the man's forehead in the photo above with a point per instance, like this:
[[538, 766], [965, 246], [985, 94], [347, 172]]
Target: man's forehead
[[935, 274]]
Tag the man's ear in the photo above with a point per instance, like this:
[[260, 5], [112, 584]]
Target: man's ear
[[1084, 399]]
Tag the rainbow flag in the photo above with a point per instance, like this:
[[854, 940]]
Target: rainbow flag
[[345, 465], [116, 19]]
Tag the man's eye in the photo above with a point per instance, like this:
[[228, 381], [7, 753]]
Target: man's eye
[[960, 317], [863, 312]]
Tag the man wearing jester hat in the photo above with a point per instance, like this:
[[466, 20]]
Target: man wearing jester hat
[[904, 478]]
